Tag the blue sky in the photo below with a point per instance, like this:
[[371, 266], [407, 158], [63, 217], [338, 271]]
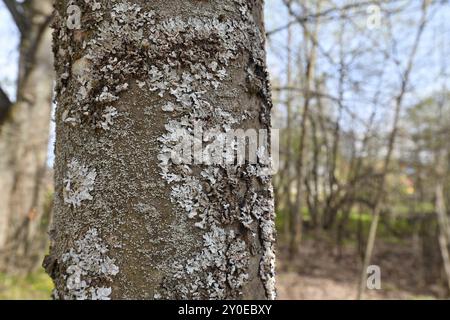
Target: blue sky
[[9, 40]]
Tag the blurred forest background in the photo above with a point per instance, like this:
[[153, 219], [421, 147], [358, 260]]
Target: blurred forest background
[[361, 99]]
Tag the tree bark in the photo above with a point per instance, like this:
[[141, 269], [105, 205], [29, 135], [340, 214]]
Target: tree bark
[[129, 222], [444, 230], [24, 132]]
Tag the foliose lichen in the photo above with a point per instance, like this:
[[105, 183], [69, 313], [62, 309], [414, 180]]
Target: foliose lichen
[[78, 184], [89, 268]]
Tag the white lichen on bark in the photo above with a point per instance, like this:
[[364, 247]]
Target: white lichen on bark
[[88, 264], [222, 264], [79, 182]]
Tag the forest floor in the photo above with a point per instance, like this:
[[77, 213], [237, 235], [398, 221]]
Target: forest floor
[[318, 273], [36, 286]]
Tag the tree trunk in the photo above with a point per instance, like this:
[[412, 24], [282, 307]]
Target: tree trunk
[[444, 230], [24, 133], [311, 56], [130, 220]]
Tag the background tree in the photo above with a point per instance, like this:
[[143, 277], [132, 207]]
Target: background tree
[[24, 132]]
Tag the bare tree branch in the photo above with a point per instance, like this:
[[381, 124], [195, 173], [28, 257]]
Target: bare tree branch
[[324, 14], [18, 15]]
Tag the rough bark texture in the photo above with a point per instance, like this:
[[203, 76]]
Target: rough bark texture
[[24, 136], [128, 222]]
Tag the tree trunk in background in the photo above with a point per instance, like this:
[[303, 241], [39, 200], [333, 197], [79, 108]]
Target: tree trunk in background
[[380, 192], [296, 222], [129, 223], [441, 168], [24, 136], [444, 229]]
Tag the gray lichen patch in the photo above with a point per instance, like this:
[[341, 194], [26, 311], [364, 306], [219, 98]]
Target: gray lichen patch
[[267, 265], [88, 269], [221, 266], [108, 118], [79, 182]]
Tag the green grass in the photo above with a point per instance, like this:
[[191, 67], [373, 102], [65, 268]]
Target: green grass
[[36, 286]]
